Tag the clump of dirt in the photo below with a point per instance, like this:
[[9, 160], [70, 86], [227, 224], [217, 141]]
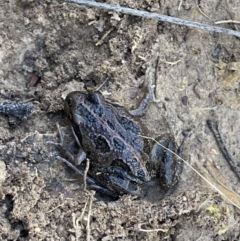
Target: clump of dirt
[[32, 210], [49, 48]]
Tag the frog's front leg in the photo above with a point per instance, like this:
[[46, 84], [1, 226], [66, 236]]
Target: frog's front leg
[[81, 155], [167, 165], [78, 158]]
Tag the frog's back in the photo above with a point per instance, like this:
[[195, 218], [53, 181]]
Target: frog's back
[[110, 127]]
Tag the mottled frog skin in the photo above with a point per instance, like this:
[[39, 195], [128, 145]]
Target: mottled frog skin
[[110, 136]]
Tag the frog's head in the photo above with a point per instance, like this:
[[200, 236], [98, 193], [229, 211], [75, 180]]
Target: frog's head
[[70, 103]]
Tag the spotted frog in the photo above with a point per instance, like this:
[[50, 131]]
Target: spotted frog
[[111, 137]]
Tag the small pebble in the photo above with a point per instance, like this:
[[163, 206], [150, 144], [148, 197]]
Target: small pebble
[[184, 100], [33, 80], [200, 92]]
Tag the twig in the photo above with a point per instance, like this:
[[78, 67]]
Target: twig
[[102, 84], [150, 230], [199, 9], [56, 207], [76, 227], [171, 63], [180, 5], [78, 220], [89, 216], [85, 174], [227, 21], [156, 16], [213, 126], [203, 108], [156, 74], [100, 42]]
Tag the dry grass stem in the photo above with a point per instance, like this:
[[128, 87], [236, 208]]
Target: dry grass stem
[[199, 9], [151, 230], [227, 21], [203, 108], [89, 215], [56, 207], [100, 42], [180, 5], [85, 174], [78, 220], [231, 196], [171, 63]]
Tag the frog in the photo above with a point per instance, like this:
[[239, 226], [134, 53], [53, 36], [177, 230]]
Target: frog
[[112, 137]]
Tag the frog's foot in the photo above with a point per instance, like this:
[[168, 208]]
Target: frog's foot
[[61, 146], [75, 158]]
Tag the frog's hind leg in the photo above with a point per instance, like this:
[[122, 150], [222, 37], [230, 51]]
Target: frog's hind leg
[[162, 159], [90, 181], [118, 180], [165, 161]]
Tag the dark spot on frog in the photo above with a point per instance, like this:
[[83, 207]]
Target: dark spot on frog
[[128, 124], [92, 136], [141, 174], [102, 144], [135, 164], [118, 144], [94, 103], [120, 163], [111, 125], [137, 143], [82, 111]]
